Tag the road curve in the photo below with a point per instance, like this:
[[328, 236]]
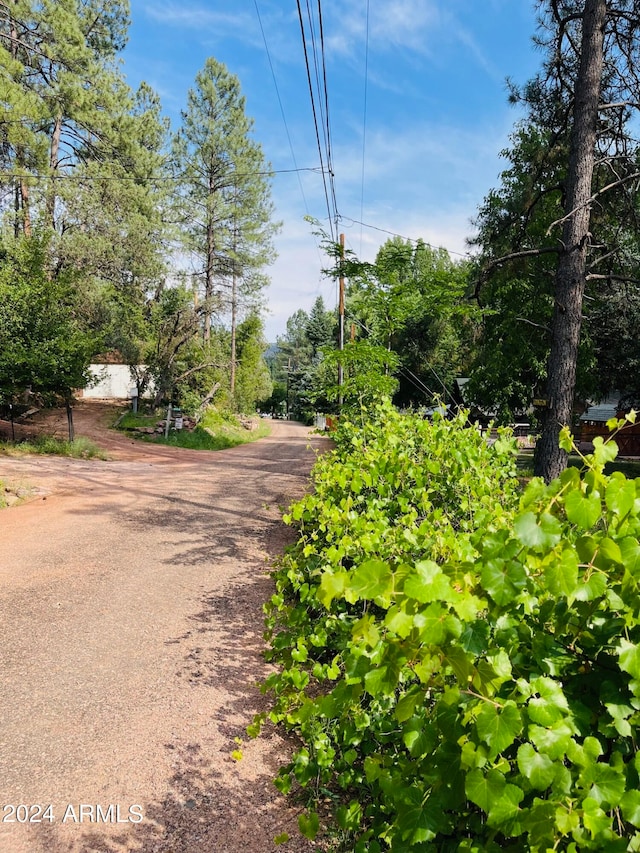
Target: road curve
[[131, 636]]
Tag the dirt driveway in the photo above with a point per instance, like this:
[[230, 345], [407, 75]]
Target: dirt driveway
[[131, 636]]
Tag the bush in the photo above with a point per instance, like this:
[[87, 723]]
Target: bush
[[461, 661]]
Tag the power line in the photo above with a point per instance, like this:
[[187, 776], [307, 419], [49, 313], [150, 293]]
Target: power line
[[320, 105], [364, 119], [404, 371], [402, 236], [327, 121], [284, 118], [315, 114]]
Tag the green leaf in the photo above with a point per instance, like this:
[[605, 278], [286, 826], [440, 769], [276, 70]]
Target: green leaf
[[418, 737], [483, 790], [309, 824], [419, 817], [603, 452], [534, 535], [630, 805], [595, 820], [499, 727], [460, 664], [475, 637], [629, 658], [554, 740], [591, 589], [506, 808], [372, 580], [565, 440], [630, 550], [502, 580], [561, 573], [375, 681], [608, 786], [538, 769], [399, 621], [582, 510], [620, 494], [432, 624], [332, 585], [428, 583], [540, 824], [407, 705], [609, 553]]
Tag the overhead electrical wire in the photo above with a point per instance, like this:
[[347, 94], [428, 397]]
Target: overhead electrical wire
[[326, 116], [282, 113], [403, 237], [318, 107], [364, 119], [404, 371]]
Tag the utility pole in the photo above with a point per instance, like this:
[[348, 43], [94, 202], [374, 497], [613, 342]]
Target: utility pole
[[341, 321]]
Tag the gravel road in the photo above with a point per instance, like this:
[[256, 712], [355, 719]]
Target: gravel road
[[131, 599]]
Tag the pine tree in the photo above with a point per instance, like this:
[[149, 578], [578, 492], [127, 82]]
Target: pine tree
[[224, 197], [581, 109]]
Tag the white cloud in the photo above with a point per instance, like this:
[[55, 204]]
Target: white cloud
[[201, 17]]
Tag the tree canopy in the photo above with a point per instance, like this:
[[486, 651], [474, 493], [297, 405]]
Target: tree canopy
[[91, 175]]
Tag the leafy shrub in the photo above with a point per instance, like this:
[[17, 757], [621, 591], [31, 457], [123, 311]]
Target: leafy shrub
[[461, 661]]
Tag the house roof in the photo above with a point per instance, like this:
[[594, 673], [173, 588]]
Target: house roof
[[601, 413]]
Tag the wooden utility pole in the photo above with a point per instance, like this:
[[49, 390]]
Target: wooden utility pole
[[341, 321]]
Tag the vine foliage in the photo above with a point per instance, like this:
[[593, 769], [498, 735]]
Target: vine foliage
[[459, 655]]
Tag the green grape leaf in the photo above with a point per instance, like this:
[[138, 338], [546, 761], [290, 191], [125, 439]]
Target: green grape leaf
[[419, 817], [506, 808], [582, 510], [620, 494], [608, 786], [309, 824], [603, 452], [499, 727], [629, 658], [332, 585], [561, 573], [427, 584], [594, 818], [538, 769], [372, 580], [418, 737], [532, 534], [630, 550], [630, 804], [399, 621], [484, 790], [502, 580]]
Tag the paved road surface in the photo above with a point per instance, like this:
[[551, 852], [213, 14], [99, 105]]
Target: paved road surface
[[131, 637]]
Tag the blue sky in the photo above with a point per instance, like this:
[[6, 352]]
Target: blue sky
[[427, 144]]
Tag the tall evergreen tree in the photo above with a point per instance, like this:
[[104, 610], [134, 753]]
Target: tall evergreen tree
[[224, 199], [58, 70], [582, 108]]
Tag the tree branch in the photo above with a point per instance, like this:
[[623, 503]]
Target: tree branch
[[593, 198], [536, 325]]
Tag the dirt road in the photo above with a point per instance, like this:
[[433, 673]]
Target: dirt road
[[131, 637]]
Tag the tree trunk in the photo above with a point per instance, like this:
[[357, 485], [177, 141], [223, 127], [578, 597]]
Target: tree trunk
[[550, 460], [234, 322], [72, 434], [53, 165], [203, 405], [23, 218], [210, 268]]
